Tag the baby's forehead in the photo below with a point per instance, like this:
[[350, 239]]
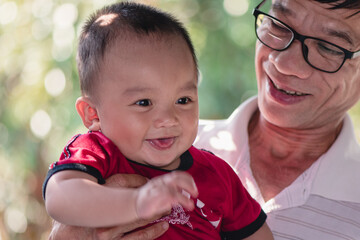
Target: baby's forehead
[[126, 49]]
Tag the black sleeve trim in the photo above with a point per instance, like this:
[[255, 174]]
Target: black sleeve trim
[[246, 231], [73, 166], [205, 150]]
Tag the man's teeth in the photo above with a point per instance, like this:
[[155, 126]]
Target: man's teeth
[[289, 92]]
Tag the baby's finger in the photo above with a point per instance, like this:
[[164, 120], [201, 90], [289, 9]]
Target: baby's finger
[[182, 181], [184, 200]]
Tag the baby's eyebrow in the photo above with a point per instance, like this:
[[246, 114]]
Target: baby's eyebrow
[[137, 89], [190, 85]]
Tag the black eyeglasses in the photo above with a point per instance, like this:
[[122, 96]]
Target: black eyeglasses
[[319, 54]]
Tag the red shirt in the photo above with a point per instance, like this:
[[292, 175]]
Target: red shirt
[[222, 207]]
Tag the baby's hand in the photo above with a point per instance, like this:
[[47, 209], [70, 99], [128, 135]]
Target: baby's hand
[[161, 193]]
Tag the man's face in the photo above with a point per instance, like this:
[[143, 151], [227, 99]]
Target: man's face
[[148, 100], [292, 93]]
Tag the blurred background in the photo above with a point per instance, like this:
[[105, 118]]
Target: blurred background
[[39, 86]]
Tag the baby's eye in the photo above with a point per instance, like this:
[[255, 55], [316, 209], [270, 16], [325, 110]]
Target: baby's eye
[[183, 100], [143, 102]]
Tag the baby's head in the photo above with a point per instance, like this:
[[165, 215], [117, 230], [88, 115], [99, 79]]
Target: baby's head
[[138, 75], [119, 25]]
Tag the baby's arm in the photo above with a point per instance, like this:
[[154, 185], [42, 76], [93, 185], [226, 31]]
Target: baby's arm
[[263, 233], [75, 198]]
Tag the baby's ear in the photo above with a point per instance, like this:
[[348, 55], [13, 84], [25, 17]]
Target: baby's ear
[[88, 113]]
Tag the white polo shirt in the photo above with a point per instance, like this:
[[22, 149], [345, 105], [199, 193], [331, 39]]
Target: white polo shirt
[[323, 203]]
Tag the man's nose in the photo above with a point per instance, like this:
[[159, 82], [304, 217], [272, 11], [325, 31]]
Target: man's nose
[[291, 61]]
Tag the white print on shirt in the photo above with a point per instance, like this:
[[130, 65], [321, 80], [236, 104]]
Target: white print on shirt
[[179, 216], [208, 213]]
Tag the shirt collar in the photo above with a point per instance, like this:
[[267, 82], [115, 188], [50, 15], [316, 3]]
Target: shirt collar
[[339, 167]]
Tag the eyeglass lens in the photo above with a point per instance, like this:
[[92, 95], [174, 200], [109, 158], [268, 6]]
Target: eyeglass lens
[[317, 53]]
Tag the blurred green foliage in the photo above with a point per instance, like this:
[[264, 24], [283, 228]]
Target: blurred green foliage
[[39, 86]]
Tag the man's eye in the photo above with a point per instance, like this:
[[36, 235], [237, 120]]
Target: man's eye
[[143, 102], [329, 50], [278, 27], [183, 100]]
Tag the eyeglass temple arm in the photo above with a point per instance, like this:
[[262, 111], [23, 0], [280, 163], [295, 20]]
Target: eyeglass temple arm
[[260, 4], [356, 54]]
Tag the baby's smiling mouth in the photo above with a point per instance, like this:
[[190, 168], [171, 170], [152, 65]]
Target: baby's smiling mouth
[[162, 143]]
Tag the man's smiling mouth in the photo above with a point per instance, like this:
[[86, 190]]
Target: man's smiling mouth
[[291, 93]]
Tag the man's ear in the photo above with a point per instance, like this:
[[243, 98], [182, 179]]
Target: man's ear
[[88, 113]]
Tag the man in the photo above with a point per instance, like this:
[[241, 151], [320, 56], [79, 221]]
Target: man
[[294, 146]]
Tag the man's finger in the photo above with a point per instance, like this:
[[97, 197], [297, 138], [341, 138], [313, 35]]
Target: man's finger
[[118, 231], [64, 232], [126, 181], [148, 233]]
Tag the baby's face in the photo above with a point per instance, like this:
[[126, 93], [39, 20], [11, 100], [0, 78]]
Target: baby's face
[[148, 100]]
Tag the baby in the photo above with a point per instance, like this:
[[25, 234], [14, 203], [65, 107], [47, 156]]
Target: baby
[[139, 82]]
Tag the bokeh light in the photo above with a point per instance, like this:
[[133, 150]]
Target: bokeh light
[[55, 82], [42, 8], [40, 123], [8, 12], [65, 15], [15, 220], [236, 7]]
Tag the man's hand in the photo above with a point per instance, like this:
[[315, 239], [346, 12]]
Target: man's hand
[[64, 232]]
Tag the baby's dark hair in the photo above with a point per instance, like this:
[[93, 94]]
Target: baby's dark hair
[[122, 19]]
